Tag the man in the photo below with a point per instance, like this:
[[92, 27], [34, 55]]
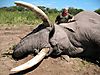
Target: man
[[64, 17]]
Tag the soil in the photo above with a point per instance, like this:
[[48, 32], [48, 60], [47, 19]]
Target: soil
[[49, 66]]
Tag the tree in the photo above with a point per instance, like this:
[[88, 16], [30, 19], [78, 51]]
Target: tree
[[52, 10], [74, 11], [97, 11]]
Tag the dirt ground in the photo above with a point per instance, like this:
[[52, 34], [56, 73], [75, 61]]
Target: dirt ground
[[49, 66]]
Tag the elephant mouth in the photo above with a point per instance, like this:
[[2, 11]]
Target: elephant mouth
[[39, 57]]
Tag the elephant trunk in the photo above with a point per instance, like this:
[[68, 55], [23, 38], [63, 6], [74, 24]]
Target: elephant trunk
[[31, 62]]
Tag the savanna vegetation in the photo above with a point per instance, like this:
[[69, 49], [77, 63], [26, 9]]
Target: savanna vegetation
[[19, 16], [13, 15]]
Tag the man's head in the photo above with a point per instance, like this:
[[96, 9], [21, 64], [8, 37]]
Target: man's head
[[65, 9], [65, 12]]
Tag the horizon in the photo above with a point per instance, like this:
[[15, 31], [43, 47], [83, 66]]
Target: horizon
[[58, 4]]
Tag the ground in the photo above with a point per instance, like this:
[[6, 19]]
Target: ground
[[9, 36]]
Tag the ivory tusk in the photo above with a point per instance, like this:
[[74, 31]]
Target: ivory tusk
[[31, 62]]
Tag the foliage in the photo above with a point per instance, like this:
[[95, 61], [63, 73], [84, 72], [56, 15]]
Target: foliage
[[16, 17], [13, 8], [74, 11], [21, 16], [98, 11]]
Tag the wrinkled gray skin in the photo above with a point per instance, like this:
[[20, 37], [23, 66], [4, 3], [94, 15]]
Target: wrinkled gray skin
[[79, 38]]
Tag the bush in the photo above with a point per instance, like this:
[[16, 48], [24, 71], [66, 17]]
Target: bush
[[98, 11]]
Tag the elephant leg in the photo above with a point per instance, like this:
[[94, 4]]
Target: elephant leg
[[66, 57], [74, 51]]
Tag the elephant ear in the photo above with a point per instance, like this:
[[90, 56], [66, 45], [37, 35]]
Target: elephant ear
[[70, 26]]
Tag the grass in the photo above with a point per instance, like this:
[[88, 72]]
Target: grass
[[10, 18]]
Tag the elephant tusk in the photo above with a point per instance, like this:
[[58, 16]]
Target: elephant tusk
[[35, 9], [31, 62]]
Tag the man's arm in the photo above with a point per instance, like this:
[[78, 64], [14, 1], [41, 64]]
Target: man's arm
[[71, 18], [57, 19]]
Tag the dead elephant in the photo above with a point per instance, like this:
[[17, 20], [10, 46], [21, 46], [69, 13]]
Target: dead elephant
[[79, 38]]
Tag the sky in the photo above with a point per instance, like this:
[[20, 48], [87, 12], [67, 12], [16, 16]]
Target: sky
[[59, 4]]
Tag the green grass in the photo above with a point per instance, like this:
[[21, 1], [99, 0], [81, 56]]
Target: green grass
[[10, 18]]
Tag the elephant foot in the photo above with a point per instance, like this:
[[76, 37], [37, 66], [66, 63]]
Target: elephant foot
[[65, 57]]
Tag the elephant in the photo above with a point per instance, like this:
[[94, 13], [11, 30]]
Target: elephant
[[78, 38]]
